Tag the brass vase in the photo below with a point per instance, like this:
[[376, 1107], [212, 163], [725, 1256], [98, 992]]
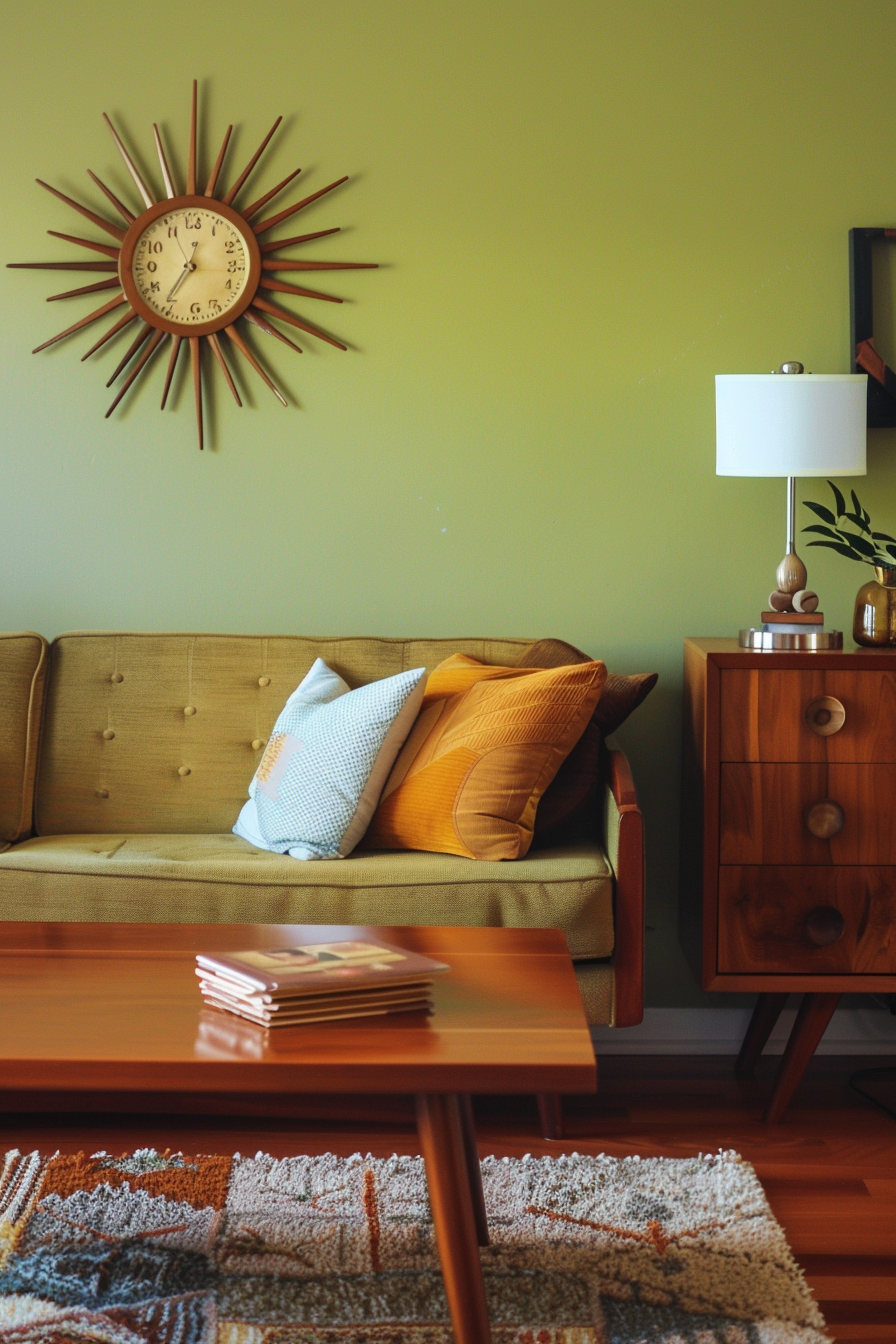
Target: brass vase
[[874, 623]]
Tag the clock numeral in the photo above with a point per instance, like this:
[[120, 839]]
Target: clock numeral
[[151, 266], [195, 307], [229, 285], [214, 306], [172, 230], [154, 287], [229, 246], [191, 223], [153, 247], [234, 265]]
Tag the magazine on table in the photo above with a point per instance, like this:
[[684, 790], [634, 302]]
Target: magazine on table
[[318, 968], [315, 982]]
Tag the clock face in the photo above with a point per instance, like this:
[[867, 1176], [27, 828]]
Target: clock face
[[189, 265]]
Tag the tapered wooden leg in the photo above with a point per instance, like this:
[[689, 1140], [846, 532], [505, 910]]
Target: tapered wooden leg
[[474, 1170], [816, 1011], [765, 1015], [550, 1114], [440, 1129]]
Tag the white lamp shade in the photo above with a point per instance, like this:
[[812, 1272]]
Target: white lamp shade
[[790, 424]]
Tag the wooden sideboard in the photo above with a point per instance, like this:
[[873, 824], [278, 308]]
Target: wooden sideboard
[[789, 834]]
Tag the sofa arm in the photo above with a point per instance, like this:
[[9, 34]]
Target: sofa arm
[[23, 665], [624, 840]]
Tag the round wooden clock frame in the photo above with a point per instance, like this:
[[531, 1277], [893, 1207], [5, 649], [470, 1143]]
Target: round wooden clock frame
[[133, 261], [176, 281]]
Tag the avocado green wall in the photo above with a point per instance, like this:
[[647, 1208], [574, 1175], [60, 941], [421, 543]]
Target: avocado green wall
[[584, 210]]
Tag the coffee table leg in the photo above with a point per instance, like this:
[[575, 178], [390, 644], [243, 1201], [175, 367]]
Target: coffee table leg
[[448, 1177], [474, 1170]]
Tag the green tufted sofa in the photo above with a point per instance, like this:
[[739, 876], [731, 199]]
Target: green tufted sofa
[[125, 759]]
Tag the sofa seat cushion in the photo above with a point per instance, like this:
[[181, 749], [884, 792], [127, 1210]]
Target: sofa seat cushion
[[220, 878]]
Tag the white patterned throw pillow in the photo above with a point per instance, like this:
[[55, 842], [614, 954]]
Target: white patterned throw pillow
[[324, 768]]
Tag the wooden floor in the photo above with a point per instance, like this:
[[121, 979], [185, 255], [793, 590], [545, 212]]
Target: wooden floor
[[829, 1169]]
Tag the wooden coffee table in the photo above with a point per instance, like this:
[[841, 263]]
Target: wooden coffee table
[[116, 1007]]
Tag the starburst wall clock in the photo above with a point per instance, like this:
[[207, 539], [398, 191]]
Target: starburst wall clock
[[191, 266]]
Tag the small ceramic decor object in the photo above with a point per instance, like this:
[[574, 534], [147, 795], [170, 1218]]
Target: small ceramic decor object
[[849, 533], [188, 265]]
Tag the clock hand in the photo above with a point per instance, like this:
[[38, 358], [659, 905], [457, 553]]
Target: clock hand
[[177, 284], [188, 267]]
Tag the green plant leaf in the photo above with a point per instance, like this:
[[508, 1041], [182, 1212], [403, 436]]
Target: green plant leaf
[[859, 544], [882, 536], [824, 514], [855, 502], [892, 551], [859, 521], [838, 500], [823, 531], [838, 547]]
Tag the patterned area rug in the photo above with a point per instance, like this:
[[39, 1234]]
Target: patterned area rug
[[160, 1248]]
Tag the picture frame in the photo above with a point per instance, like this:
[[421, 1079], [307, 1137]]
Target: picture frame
[[864, 356]]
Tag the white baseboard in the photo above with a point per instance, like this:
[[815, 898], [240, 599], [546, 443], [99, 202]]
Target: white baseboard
[[719, 1031]]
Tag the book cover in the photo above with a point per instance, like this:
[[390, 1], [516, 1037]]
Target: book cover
[[321, 968]]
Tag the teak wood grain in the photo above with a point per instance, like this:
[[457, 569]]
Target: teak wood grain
[[763, 712], [764, 813], [764, 913], [628, 953], [118, 1006], [788, 842]]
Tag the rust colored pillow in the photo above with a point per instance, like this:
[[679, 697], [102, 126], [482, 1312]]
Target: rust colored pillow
[[486, 744], [621, 695], [568, 810]]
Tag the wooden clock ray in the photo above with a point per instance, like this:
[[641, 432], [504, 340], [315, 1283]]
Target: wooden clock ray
[[189, 266]]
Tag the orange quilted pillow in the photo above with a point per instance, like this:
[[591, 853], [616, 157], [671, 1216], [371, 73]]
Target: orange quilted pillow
[[486, 744]]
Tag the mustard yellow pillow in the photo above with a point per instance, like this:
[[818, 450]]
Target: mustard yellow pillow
[[486, 744]]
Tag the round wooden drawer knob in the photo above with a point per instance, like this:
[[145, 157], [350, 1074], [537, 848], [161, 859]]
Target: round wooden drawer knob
[[824, 925], [825, 819], [825, 716]]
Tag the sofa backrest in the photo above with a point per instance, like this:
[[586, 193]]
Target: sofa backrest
[[162, 733], [23, 665]]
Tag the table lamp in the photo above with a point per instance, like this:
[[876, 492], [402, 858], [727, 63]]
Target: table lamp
[[791, 423]]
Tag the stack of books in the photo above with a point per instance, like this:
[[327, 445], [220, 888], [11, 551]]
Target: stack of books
[[288, 986]]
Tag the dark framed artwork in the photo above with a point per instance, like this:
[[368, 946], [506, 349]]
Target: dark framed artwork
[[864, 355]]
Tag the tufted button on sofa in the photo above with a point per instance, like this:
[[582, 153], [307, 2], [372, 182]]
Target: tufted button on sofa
[[125, 759]]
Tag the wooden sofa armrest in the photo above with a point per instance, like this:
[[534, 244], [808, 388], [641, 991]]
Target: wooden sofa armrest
[[624, 839]]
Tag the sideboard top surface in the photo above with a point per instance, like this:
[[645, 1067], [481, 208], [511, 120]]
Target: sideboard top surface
[[726, 652]]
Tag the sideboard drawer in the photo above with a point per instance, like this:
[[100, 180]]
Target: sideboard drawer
[[785, 920], [781, 715], [815, 814]]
